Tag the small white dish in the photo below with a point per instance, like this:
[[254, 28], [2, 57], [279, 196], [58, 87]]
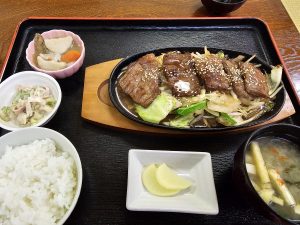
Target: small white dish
[[8, 90], [28, 135], [200, 198]]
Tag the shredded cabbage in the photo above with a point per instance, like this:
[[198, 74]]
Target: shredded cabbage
[[159, 108], [182, 121]]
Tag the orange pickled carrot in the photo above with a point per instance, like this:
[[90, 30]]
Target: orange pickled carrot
[[280, 181], [282, 158], [274, 151], [70, 56]]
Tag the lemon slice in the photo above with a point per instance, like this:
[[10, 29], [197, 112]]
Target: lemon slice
[[151, 184], [168, 179]]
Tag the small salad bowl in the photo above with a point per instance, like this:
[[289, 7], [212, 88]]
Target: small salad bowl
[[9, 88], [60, 73]]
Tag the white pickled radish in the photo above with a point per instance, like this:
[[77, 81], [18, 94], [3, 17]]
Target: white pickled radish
[[50, 65], [59, 45]]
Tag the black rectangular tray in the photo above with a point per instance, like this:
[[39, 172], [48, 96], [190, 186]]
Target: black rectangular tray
[[104, 151]]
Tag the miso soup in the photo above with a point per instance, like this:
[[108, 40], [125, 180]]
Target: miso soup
[[273, 166]]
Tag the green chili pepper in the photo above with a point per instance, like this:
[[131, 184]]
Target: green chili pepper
[[183, 111]]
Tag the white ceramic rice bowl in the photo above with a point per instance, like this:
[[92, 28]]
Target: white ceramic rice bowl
[[28, 135], [8, 89]]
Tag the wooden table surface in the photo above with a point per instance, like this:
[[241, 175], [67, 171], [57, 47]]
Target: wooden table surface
[[271, 11]]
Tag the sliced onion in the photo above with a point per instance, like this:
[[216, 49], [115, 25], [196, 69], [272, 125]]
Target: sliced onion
[[196, 119], [275, 78]]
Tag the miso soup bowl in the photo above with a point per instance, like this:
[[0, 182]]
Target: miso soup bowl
[[240, 176]]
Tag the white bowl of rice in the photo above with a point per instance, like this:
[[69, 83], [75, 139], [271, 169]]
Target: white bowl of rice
[[40, 177]]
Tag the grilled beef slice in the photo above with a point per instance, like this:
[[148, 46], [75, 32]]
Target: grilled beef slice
[[180, 74], [210, 70], [237, 82], [255, 80], [141, 80]]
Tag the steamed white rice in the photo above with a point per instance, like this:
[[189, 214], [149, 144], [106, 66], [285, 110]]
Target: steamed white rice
[[37, 184]]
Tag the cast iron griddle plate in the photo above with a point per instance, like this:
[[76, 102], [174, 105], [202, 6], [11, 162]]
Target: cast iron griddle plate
[[113, 82], [104, 152]]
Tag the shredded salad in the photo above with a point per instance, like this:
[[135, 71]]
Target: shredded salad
[[29, 105]]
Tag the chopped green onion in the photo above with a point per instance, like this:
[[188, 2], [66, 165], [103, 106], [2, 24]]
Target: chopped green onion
[[220, 54], [50, 102], [4, 113]]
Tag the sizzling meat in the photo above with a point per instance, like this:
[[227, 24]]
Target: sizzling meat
[[238, 86], [141, 80], [255, 80], [211, 71], [180, 74]]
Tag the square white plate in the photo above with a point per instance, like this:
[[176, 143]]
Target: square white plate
[[200, 198]]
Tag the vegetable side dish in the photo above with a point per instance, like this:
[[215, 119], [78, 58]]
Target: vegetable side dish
[[273, 166], [197, 90], [55, 53], [29, 105]]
